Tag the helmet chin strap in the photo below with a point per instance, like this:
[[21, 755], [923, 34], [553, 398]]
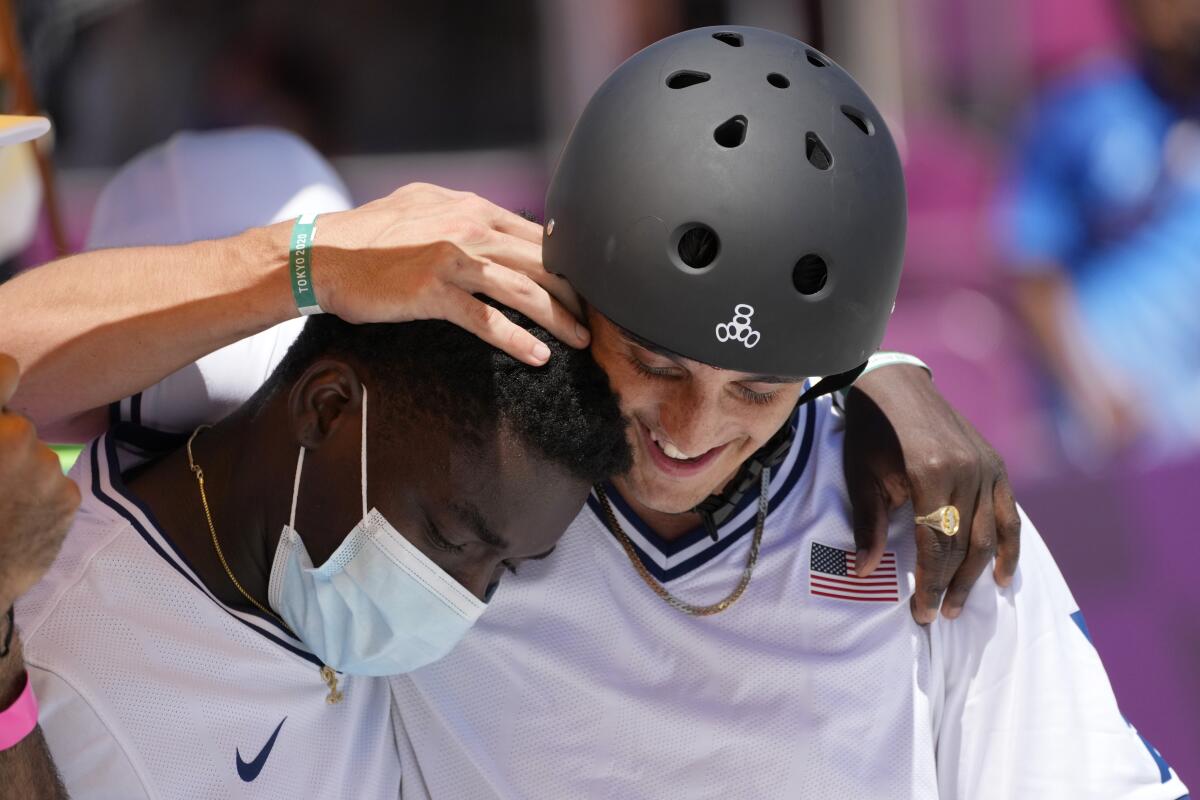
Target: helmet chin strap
[[716, 508]]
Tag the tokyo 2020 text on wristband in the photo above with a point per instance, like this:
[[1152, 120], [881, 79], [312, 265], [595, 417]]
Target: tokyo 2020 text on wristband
[[884, 358], [300, 264], [18, 720]]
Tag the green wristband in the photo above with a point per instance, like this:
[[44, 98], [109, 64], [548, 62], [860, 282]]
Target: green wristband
[[300, 260]]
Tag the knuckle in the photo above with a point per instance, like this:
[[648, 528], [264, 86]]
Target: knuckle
[[447, 252], [1000, 475], [940, 558], [984, 546], [524, 286], [962, 459], [515, 336], [465, 229], [1011, 527], [982, 552], [933, 592], [481, 314], [956, 594], [932, 462]]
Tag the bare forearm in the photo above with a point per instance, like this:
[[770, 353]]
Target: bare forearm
[[96, 327], [27, 771]]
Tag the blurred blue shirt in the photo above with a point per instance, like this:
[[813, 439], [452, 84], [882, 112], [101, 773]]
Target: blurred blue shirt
[[1105, 184]]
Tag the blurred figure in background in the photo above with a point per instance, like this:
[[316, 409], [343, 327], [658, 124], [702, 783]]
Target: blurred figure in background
[[1101, 221]]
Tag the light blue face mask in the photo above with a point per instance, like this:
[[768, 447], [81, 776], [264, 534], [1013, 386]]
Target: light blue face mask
[[378, 606]]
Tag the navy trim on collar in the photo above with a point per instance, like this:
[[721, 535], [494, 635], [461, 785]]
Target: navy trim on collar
[[668, 548], [108, 442]]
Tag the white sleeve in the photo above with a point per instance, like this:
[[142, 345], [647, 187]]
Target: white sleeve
[[1026, 708], [90, 759], [210, 388]]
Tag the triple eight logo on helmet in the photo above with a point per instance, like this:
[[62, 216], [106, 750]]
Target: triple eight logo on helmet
[[717, 184], [738, 329]]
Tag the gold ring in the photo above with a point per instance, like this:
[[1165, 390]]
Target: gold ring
[[944, 520]]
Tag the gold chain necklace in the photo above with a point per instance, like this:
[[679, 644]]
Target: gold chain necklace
[[328, 676], [687, 608]]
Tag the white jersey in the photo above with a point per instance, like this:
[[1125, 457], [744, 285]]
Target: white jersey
[[150, 687], [579, 682]]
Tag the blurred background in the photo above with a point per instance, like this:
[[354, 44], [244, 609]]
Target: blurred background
[[1052, 152]]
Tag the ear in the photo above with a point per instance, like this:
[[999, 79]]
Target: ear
[[321, 399]]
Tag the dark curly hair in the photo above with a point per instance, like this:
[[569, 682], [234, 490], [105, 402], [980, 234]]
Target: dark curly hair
[[565, 411]]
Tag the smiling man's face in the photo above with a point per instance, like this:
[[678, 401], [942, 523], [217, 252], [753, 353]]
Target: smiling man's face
[[692, 425]]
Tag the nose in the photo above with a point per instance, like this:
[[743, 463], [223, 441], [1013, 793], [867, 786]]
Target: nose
[[480, 579], [691, 418]]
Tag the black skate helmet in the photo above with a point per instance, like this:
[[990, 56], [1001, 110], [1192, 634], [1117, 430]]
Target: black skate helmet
[[731, 194]]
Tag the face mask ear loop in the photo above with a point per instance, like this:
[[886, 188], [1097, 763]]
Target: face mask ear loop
[[296, 489], [364, 453]]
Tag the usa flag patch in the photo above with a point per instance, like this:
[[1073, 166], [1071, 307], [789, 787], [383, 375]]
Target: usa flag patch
[[831, 574]]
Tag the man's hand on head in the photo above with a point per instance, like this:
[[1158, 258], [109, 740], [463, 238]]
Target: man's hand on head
[[424, 252], [37, 502], [905, 443]]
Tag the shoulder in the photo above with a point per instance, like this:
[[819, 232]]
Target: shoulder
[[89, 754], [96, 526], [1017, 675], [1036, 603]]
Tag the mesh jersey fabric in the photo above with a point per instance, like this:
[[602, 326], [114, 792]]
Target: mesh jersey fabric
[[580, 682], [150, 687]]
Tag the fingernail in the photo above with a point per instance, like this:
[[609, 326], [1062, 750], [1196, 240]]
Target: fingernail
[[860, 562], [923, 616], [950, 612], [581, 333], [541, 353]]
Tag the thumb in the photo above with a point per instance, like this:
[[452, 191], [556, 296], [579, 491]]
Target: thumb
[[869, 517]]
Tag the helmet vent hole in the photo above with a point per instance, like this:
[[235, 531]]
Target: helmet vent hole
[[859, 119], [731, 132], [729, 38], [810, 274], [778, 81], [685, 78], [816, 151], [698, 246], [815, 58]]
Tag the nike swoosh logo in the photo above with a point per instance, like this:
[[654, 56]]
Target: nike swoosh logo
[[249, 772]]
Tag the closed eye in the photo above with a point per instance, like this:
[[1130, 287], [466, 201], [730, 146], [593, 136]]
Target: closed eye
[[512, 564], [649, 371], [758, 398], [436, 540]]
